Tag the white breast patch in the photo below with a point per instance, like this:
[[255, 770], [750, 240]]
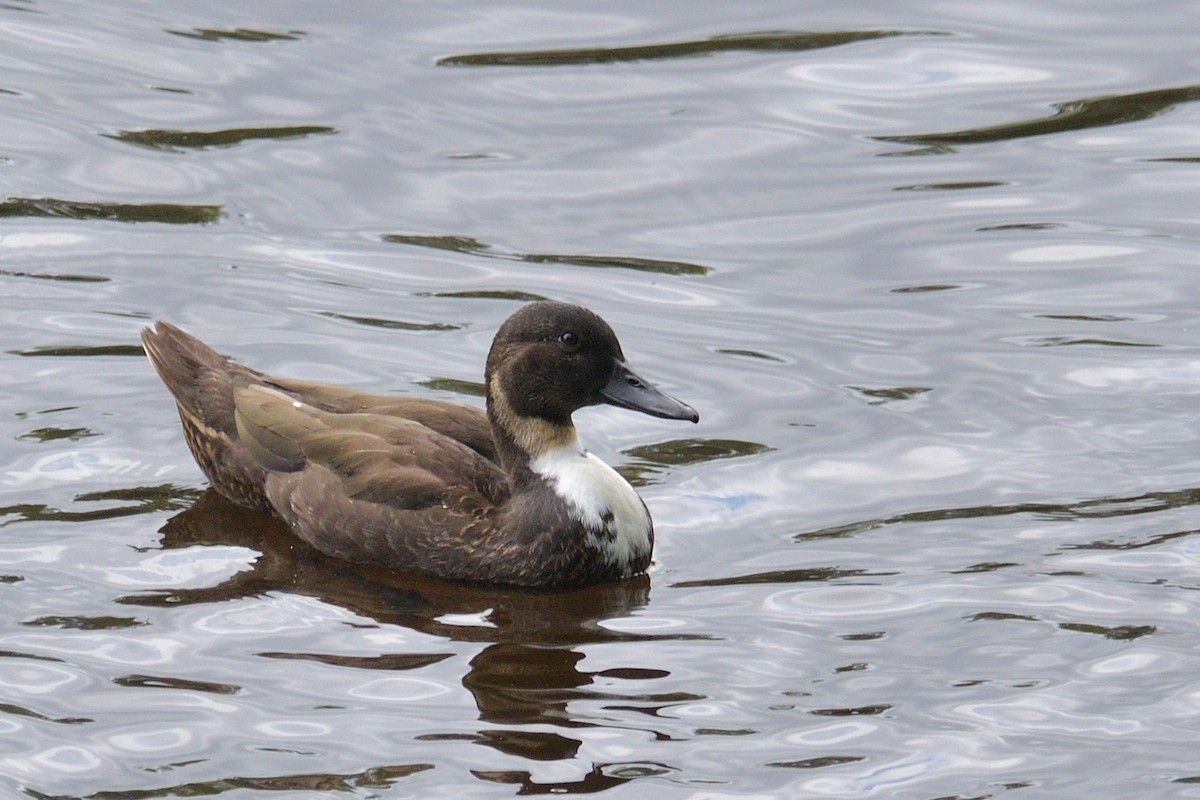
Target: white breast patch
[[614, 515]]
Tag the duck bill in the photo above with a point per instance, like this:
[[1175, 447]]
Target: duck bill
[[626, 390]]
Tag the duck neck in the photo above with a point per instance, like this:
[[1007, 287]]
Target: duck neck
[[520, 439]]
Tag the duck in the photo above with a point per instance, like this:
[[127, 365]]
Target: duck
[[504, 495]]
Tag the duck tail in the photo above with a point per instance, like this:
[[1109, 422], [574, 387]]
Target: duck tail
[[202, 381], [197, 376]]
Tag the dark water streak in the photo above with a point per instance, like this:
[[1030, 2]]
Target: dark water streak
[[373, 778], [178, 141], [768, 41], [1090, 508], [238, 35], [1072, 115], [466, 244], [54, 207]]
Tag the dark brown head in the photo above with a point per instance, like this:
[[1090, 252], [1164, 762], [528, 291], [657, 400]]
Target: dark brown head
[[550, 359]]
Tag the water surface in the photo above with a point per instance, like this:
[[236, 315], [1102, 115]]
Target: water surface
[[927, 273]]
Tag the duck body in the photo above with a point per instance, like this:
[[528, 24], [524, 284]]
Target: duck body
[[502, 496]]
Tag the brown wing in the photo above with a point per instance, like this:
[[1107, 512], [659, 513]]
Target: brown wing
[[463, 423], [367, 487], [203, 383]]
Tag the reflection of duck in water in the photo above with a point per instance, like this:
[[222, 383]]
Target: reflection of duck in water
[[505, 497], [527, 668]]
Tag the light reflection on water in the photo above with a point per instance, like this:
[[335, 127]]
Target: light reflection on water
[[927, 274]]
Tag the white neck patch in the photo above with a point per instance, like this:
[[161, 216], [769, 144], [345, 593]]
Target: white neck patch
[[614, 516]]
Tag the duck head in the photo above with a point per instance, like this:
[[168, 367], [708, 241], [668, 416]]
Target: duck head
[[548, 360]]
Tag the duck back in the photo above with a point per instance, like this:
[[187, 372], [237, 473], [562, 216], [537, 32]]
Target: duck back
[[203, 383]]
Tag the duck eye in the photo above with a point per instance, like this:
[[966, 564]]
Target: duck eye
[[569, 341]]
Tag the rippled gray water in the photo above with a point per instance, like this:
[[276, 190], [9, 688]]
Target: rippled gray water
[[928, 273]]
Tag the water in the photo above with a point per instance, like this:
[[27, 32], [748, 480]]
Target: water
[[928, 274]]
